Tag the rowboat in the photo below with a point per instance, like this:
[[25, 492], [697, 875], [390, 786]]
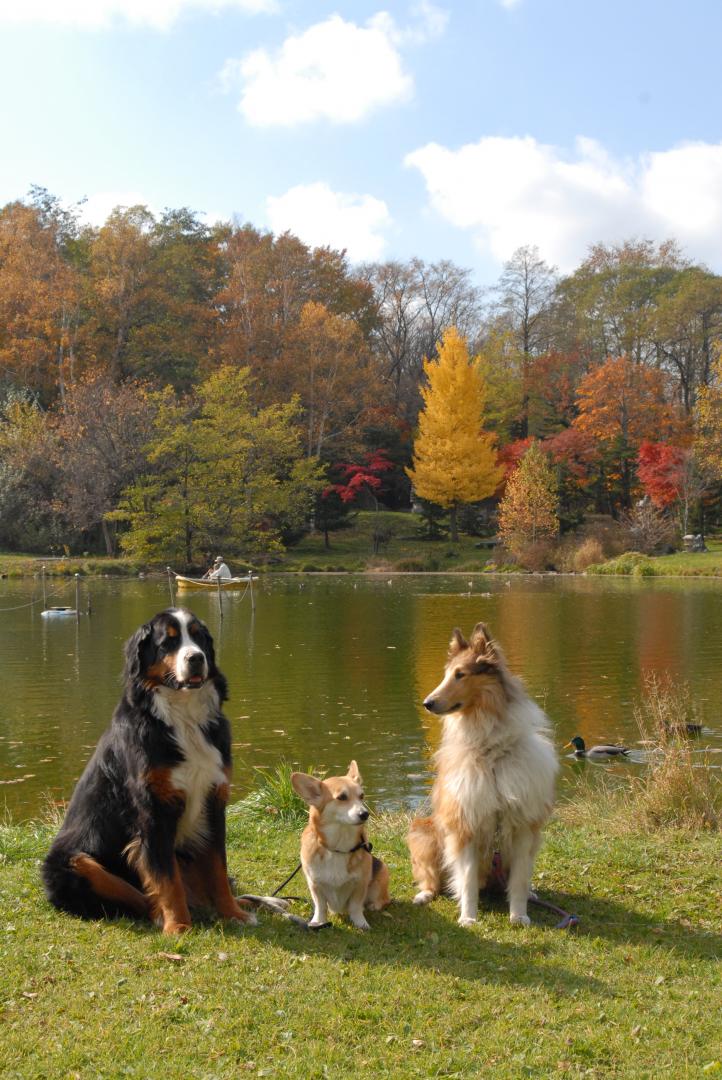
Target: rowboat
[[227, 584]]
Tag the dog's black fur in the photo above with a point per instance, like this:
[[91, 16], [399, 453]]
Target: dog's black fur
[[117, 852]]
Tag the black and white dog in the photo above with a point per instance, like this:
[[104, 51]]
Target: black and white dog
[[144, 833]]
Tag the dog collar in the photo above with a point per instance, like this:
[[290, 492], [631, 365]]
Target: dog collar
[[366, 845]]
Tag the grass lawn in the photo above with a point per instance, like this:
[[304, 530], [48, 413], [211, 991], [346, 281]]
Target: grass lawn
[[634, 992], [405, 551]]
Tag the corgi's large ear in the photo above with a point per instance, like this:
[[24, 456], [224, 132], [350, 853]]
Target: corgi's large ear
[[457, 644], [308, 787], [353, 773]]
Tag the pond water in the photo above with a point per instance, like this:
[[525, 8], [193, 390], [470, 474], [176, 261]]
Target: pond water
[[334, 667]]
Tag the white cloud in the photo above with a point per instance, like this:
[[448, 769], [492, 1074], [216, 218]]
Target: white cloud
[[323, 217], [334, 70], [96, 208], [509, 4], [98, 14], [514, 191]]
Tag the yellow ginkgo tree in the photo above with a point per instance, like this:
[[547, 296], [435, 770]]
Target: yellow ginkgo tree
[[454, 458]]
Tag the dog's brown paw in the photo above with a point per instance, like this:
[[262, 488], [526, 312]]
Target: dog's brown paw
[[172, 926]]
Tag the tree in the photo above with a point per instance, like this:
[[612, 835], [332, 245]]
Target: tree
[[620, 405], [526, 292], [225, 473], [672, 474], [708, 422], [416, 302], [454, 458], [608, 305], [576, 458], [266, 282], [328, 366], [687, 321], [29, 517], [39, 302], [101, 433], [528, 510]]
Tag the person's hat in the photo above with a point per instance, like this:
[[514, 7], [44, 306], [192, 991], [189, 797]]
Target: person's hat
[[219, 558]]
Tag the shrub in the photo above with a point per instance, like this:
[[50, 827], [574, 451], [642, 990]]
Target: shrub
[[410, 566], [608, 532], [574, 556], [536, 556], [648, 529], [629, 563], [275, 797]]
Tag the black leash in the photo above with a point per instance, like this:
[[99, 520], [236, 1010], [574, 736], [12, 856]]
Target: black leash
[[283, 885]]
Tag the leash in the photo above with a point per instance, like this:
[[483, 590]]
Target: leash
[[568, 919], [366, 845], [279, 904]]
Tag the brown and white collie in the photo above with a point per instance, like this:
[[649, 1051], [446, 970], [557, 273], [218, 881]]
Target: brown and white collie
[[494, 786]]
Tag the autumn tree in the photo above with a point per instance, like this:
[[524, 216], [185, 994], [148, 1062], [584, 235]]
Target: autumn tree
[[39, 301], [528, 509], [673, 476], [454, 458], [620, 404], [100, 437], [266, 282], [708, 422], [328, 366], [28, 476], [576, 458]]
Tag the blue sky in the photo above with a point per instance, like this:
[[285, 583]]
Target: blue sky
[[445, 130]]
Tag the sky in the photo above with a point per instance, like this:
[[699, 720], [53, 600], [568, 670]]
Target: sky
[[457, 129]]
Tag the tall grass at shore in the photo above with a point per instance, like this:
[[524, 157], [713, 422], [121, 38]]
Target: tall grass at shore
[[681, 783]]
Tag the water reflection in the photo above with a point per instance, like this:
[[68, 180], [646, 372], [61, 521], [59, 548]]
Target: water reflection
[[332, 668]]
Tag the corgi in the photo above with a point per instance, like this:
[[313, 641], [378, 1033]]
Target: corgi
[[342, 874], [495, 781]]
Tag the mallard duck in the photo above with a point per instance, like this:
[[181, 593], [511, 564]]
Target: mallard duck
[[681, 728], [595, 753]]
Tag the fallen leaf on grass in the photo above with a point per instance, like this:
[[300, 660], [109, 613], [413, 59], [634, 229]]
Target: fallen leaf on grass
[[174, 956]]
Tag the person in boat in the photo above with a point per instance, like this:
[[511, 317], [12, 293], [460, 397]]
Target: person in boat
[[220, 571]]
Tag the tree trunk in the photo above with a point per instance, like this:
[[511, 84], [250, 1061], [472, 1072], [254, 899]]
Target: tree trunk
[[109, 545], [454, 525]]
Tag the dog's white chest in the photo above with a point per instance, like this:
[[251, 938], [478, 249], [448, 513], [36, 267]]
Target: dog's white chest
[[201, 770], [332, 877]]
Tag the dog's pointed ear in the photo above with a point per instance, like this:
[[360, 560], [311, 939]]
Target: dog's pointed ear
[[457, 644], [308, 787], [353, 773], [134, 648], [481, 640], [486, 657]]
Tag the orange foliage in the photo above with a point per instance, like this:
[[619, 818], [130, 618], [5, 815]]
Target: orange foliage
[[625, 401]]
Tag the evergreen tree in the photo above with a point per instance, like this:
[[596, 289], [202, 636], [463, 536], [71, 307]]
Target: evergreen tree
[[454, 458]]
